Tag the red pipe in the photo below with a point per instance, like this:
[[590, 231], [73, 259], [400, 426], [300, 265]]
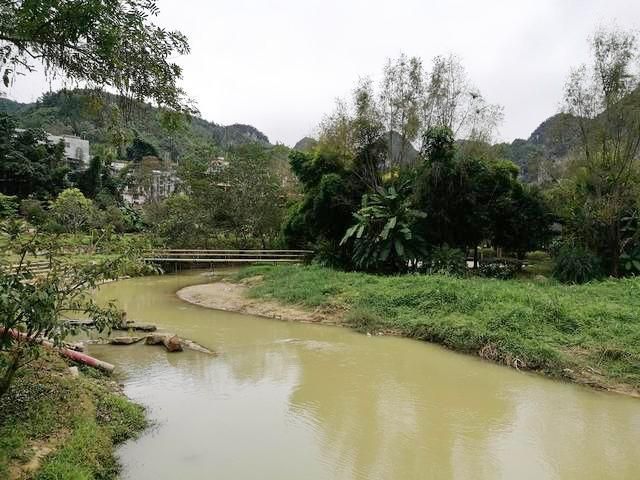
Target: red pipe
[[72, 354]]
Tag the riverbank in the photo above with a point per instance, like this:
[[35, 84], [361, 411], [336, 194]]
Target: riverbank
[[55, 424], [587, 334]]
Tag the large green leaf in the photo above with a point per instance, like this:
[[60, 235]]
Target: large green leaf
[[399, 247]]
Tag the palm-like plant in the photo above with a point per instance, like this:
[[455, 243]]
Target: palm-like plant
[[384, 236]]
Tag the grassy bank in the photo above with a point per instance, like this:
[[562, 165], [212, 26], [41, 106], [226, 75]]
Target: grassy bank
[[55, 426], [588, 333]]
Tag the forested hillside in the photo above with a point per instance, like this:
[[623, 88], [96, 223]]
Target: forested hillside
[[107, 120]]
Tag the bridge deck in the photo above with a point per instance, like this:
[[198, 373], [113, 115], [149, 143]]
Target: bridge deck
[[227, 256]]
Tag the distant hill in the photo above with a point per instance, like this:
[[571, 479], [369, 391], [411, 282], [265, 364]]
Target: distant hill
[[85, 114], [545, 149], [306, 144]]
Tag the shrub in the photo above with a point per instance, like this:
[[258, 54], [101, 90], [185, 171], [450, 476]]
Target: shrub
[[451, 261], [576, 264], [502, 269], [33, 211], [8, 205]]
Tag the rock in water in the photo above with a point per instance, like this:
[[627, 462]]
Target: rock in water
[[155, 339], [172, 344], [124, 340]]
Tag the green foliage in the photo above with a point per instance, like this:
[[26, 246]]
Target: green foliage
[[471, 196], [120, 417], [601, 186], [576, 264], [333, 190], [102, 43], [81, 417], [631, 261], [35, 304], [140, 149], [445, 260], [241, 198], [111, 123], [519, 323], [29, 164], [8, 206], [501, 269], [33, 211], [73, 211], [384, 237]]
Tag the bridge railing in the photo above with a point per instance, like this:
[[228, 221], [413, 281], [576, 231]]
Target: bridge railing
[[227, 256]]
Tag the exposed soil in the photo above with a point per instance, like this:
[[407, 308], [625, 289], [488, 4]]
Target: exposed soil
[[232, 297]]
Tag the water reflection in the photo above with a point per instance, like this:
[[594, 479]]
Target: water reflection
[[291, 401]]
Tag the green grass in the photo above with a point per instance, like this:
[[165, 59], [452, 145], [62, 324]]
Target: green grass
[[536, 325], [82, 417]]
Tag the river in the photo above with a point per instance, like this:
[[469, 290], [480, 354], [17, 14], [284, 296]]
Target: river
[[297, 401]]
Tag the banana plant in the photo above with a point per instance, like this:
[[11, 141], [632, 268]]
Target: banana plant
[[384, 236]]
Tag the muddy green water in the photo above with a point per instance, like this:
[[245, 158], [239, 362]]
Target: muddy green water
[[295, 401]]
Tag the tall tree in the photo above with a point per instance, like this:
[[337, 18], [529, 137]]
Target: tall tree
[[401, 95], [452, 101], [604, 97]]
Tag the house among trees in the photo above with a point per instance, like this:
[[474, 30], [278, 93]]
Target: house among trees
[[76, 149]]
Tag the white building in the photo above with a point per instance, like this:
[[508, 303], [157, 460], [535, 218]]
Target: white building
[[76, 149]]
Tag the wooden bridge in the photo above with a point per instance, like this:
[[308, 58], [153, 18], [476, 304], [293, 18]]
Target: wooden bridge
[[177, 256]]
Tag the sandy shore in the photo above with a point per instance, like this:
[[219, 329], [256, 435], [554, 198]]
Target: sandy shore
[[232, 297]]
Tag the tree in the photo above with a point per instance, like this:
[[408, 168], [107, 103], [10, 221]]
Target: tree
[[72, 210], [36, 307], [469, 196], [602, 186], [332, 191], [254, 195], [452, 101], [385, 237], [140, 149], [29, 164], [401, 97], [395, 118], [103, 43]]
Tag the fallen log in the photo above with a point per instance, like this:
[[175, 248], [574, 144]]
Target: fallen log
[[171, 342], [140, 327], [124, 340], [66, 352]]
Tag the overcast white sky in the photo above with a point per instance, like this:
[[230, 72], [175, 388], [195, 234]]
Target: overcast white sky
[[280, 64]]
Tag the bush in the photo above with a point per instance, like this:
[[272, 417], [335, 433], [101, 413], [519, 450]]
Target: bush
[[8, 205], [576, 264], [33, 211], [450, 261], [502, 269]]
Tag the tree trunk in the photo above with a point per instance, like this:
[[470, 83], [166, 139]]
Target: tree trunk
[[7, 378], [475, 257]]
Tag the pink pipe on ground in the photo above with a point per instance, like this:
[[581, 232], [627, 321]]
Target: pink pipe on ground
[[72, 354]]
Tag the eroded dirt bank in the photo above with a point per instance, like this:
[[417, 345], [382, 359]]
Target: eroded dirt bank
[[232, 297]]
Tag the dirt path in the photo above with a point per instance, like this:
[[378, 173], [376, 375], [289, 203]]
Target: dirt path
[[232, 297]]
